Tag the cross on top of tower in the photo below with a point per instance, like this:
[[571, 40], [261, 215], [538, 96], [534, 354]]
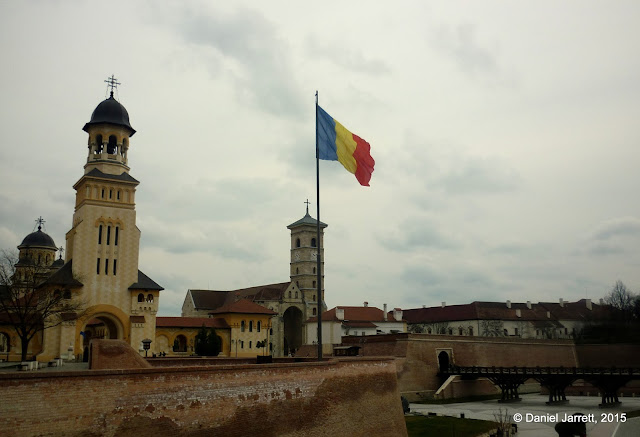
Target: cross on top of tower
[[40, 221], [60, 249], [307, 202], [113, 83]]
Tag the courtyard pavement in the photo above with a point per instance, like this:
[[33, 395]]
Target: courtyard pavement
[[535, 406]]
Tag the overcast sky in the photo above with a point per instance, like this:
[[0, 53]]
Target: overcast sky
[[506, 139]]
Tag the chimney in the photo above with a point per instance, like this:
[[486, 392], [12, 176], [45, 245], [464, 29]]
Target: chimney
[[589, 306], [340, 313], [561, 303], [508, 304], [424, 306], [397, 314], [529, 304], [518, 313], [384, 312], [444, 304], [548, 314], [366, 304], [601, 301]]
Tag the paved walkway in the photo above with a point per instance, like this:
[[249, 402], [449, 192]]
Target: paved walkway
[[534, 405]]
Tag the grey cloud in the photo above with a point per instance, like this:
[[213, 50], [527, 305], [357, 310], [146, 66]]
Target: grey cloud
[[258, 58], [461, 44], [618, 227], [347, 58], [417, 235], [475, 176]]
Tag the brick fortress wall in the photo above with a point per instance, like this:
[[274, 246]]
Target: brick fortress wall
[[417, 358], [338, 397]]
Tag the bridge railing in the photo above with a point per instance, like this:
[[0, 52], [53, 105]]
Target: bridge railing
[[538, 370]]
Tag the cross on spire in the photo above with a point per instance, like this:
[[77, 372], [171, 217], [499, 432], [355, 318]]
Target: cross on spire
[[60, 249], [40, 221], [307, 202], [113, 83]]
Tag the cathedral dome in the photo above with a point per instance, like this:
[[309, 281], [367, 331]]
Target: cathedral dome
[[110, 111], [38, 239]]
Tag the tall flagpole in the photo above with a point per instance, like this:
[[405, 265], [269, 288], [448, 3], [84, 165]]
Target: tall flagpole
[[318, 268]]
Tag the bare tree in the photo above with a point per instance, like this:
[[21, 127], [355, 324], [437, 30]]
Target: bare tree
[[34, 298], [492, 328], [622, 299]]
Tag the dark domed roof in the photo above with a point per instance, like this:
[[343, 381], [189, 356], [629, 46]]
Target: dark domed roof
[[110, 111], [38, 239]]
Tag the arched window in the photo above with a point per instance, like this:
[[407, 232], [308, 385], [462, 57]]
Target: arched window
[[270, 331], [5, 343], [118, 194], [258, 326], [470, 330], [297, 242], [428, 330], [100, 234], [115, 240], [450, 331], [108, 234], [150, 297], [250, 326], [314, 270], [313, 242], [141, 297], [112, 147], [242, 326], [110, 193], [314, 312], [180, 344], [98, 144], [459, 331]]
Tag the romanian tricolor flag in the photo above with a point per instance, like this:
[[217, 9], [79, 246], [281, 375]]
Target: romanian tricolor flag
[[335, 143]]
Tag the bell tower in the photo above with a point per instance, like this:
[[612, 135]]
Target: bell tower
[[304, 256]]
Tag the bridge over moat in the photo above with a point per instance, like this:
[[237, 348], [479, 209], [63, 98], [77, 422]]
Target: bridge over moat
[[555, 379]]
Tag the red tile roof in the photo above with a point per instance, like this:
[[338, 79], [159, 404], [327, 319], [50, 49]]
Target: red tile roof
[[499, 311], [191, 322], [243, 306], [356, 314]]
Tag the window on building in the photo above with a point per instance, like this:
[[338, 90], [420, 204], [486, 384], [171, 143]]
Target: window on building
[[106, 266], [242, 326], [5, 343], [313, 242], [506, 333], [428, 330], [258, 326], [141, 297], [100, 234], [250, 325], [470, 330], [314, 284], [118, 195], [537, 333], [297, 242], [102, 193], [108, 234], [314, 312], [270, 331], [115, 237], [39, 258], [450, 331], [98, 144], [110, 193], [115, 266], [150, 298], [314, 270], [515, 331], [296, 294], [460, 331], [289, 294], [270, 347], [98, 267], [241, 344], [249, 344], [314, 297]]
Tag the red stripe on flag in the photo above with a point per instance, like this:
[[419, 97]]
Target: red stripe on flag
[[363, 158]]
